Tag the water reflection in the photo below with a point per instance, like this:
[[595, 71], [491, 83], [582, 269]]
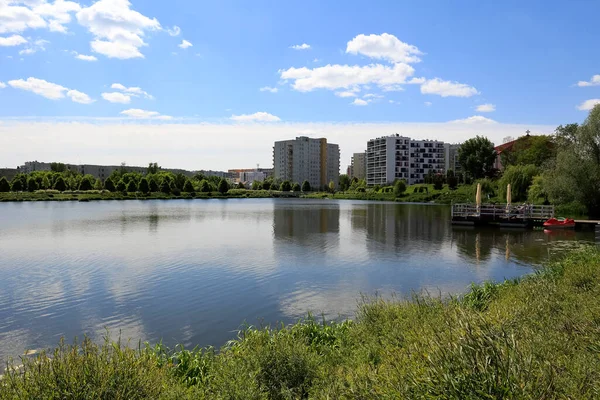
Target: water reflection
[[192, 271]]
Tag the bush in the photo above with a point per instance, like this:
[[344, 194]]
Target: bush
[[153, 185], [108, 185], [266, 185], [452, 182], [520, 177], [257, 185], [296, 187], [60, 184], [306, 186], [132, 187], [85, 185], [286, 186], [204, 186], [241, 185], [121, 186], [438, 182], [144, 187], [32, 185], [4, 185], [399, 188], [165, 187], [188, 187], [223, 186]]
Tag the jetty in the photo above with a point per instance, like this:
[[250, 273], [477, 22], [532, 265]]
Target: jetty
[[503, 215]]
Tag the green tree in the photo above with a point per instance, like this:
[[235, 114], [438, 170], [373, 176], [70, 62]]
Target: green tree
[[306, 186], [144, 187], [575, 176], [153, 168], [256, 185], [399, 187], [344, 182], [121, 186], [536, 193], [188, 187], [476, 157], [205, 186], [57, 167], [59, 184], [32, 185], [98, 185], [438, 181], [296, 187], [223, 186], [266, 185], [16, 185], [332, 186], [566, 135], [152, 185], [46, 182], [534, 150], [520, 178], [179, 181], [85, 184], [165, 186], [4, 185], [241, 185], [109, 185], [132, 187], [286, 186]]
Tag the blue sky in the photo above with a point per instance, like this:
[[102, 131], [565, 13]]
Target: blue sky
[[150, 67]]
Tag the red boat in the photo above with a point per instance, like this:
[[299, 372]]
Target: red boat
[[561, 223]]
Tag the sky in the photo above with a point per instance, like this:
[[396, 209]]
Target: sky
[[211, 85]]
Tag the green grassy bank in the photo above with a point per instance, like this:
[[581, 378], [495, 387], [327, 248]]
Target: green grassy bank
[[538, 338]]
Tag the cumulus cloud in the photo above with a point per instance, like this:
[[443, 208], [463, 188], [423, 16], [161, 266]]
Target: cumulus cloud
[[595, 81], [475, 119], [588, 104], [347, 93], [175, 31], [14, 40], [116, 97], [372, 96], [132, 91], [20, 15], [83, 57], [360, 102], [185, 44], [34, 47], [447, 88], [144, 114], [334, 77], [50, 90], [302, 46], [260, 116], [269, 89], [486, 108], [385, 46], [118, 30]]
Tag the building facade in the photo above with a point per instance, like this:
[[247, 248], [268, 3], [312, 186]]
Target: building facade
[[451, 157], [303, 158], [359, 165], [398, 157]]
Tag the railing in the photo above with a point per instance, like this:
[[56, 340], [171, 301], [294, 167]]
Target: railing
[[502, 211]]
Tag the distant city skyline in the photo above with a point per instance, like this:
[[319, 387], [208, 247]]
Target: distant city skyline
[[109, 80]]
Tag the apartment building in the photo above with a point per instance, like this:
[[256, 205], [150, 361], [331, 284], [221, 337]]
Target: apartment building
[[451, 157], [303, 158], [398, 157], [359, 165]]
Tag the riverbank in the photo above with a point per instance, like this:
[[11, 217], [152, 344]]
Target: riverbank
[[535, 338]]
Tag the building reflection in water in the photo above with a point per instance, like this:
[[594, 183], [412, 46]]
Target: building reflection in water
[[301, 223]]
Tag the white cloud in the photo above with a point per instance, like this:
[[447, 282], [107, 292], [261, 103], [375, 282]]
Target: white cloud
[[486, 108], [334, 77], [475, 119], [175, 31], [315, 60], [85, 58], [372, 96], [428, 103], [57, 14], [118, 30], [260, 116], [595, 81], [588, 104], [20, 15], [2, 85], [385, 46], [347, 93], [417, 81], [302, 46], [116, 97], [50, 90], [447, 88], [144, 114], [79, 97], [185, 44], [133, 91], [360, 102], [32, 48], [269, 89], [14, 40]]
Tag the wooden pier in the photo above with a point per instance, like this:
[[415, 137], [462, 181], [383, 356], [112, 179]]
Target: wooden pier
[[503, 215]]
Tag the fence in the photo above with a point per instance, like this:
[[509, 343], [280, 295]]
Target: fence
[[502, 211]]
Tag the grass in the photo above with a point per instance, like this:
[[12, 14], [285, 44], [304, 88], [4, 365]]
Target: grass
[[534, 338]]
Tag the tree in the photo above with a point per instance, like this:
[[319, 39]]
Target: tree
[[535, 150], [296, 187], [16, 185], [241, 185], [132, 187], [476, 156], [98, 185], [59, 184], [152, 185], [188, 187], [451, 179], [266, 185], [4, 185], [179, 181], [109, 185], [57, 167], [223, 186], [536, 193], [438, 181], [165, 186], [121, 186], [46, 182], [520, 178], [306, 186], [256, 185], [85, 184], [575, 176], [32, 185], [152, 168], [566, 135], [344, 182], [286, 186], [144, 187], [399, 187], [205, 186], [332, 186]]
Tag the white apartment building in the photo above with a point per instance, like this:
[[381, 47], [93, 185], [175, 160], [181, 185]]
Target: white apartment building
[[451, 157], [399, 157], [251, 176], [304, 158], [359, 166]]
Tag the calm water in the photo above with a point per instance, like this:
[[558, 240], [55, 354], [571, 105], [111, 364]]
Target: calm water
[[192, 271]]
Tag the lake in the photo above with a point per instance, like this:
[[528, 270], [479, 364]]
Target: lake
[[192, 271]]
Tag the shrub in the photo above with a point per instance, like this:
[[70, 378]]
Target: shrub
[[204, 186], [85, 185], [4, 185], [438, 182], [132, 187], [121, 186], [32, 185], [223, 186], [452, 182], [266, 185], [165, 187], [399, 188], [286, 186], [306, 186], [144, 187], [257, 185], [60, 184], [296, 187], [520, 178], [241, 185], [108, 185], [188, 187]]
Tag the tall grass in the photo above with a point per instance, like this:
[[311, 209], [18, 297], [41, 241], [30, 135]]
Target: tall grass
[[536, 338]]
